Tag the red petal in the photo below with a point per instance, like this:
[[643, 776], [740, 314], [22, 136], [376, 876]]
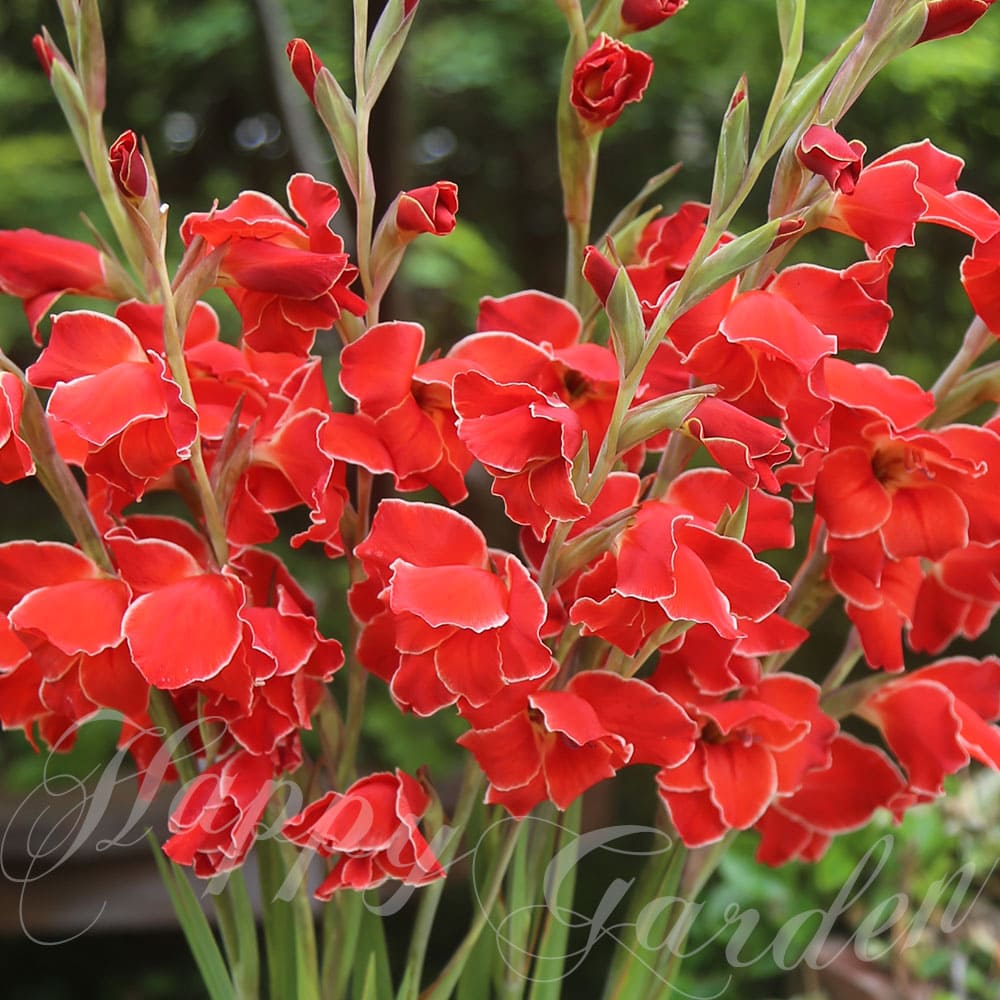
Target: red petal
[[184, 632], [453, 595], [535, 316], [742, 779]]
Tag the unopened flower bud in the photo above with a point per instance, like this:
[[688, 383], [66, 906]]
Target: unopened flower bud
[[825, 152], [428, 209], [128, 167], [640, 15], [306, 65]]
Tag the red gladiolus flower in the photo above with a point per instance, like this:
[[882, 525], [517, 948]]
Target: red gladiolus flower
[[563, 742], [249, 651], [840, 797], [128, 167], [15, 455], [669, 566], [959, 595], [640, 15], [373, 827], [39, 268], [444, 617], [287, 279], [746, 447], [768, 359], [545, 352], [951, 17], [216, 823], [825, 152], [117, 398], [911, 184], [428, 209], [62, 654], [937, 718], [410, 405], [527, 441], [608, 76], [849, 305], [751, 751]]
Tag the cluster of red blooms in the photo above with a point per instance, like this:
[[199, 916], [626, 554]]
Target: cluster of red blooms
[[906, 523]]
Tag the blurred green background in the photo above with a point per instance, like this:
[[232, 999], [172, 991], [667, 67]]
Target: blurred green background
[[206, 83]]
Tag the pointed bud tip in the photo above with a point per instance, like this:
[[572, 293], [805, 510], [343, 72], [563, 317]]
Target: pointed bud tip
[[45, 53]]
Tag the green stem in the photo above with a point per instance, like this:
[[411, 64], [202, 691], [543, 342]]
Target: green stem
[[547, 573], [173, 345], [441, 988], [469, 795], [977, 340], [705, 861], [239, 935], [841, 670], [366, 179], [577, 152], [547, 971], [632, 966]]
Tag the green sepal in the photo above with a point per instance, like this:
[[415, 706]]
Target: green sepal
[[384, 47], [627, 237], [667, 413], [337, 114], [580, 472], [92, 62], [733, 523], [734, 150], [628, 328], [69, 94], [728, 261], [582, 550]]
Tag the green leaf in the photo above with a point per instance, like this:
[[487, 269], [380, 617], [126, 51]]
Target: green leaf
[[194, 924], [372, 978], [791, 24], [550, 959]]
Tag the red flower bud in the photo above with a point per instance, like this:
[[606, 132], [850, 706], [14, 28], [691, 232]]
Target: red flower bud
[[428, 209], [951, 17], [409, 5], [599, 272], [642, 14], [608, 76], [828, 154], [787, 229], [128, 167], [305, 64], [46, 53]]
